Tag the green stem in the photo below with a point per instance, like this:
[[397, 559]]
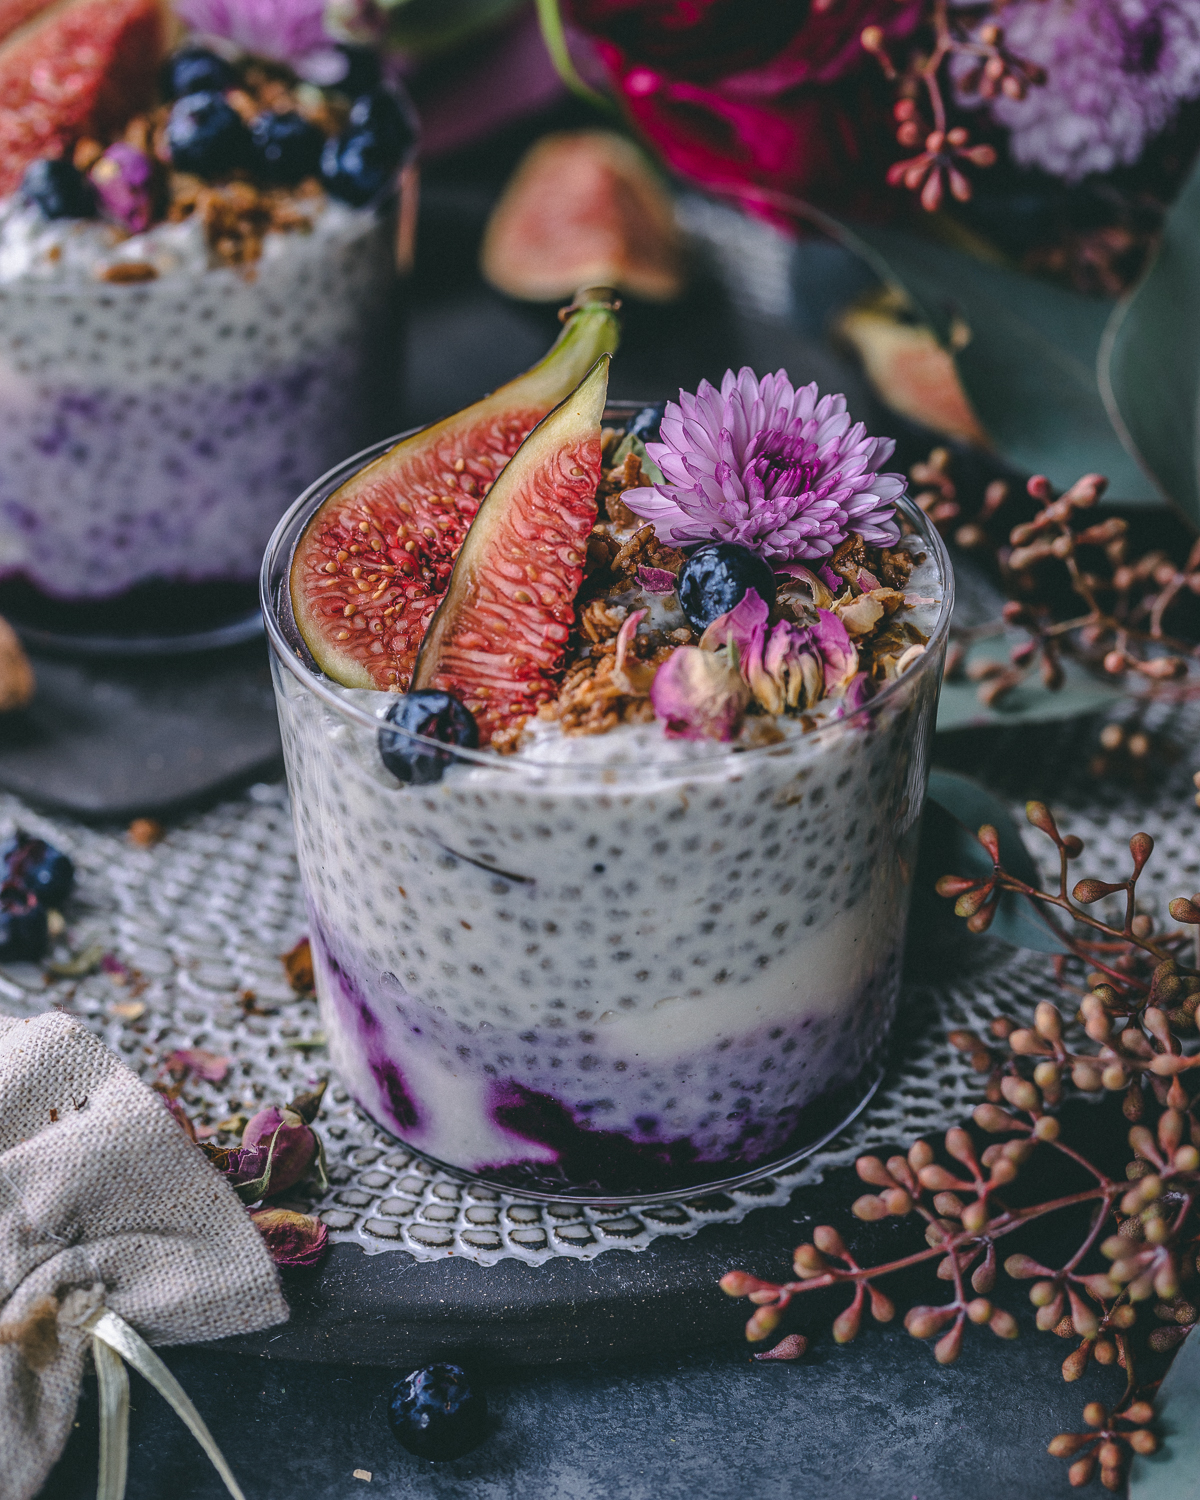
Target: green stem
[[550, 20]]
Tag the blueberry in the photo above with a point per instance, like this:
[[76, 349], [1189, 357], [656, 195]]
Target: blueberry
[[356, 167], [207, 136], [58, 190], [437, 716], [23, 933], [35, 866], [384, 114], [363, 72], [645, 424], [195, 71], [435, 1413], [716, 577], [287, 148]]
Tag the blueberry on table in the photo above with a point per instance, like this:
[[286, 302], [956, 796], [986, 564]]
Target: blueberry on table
[[195, 70], [717, 576], [287, 148], [35, 866], [435, 1413], [382, 113], [23, 931], [436, 716], [207, 136], [59, 190]]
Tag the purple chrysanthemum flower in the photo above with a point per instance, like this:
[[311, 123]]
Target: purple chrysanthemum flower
[[1116, 72], [287, 31], [779, 470]]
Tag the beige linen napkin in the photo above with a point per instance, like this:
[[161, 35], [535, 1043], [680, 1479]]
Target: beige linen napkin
[[105, 1205]]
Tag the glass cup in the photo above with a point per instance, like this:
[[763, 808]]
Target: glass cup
[[606, 982], [152, 434]]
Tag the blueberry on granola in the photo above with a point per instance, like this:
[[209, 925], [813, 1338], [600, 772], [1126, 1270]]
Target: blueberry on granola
[[59, 190], [195, 70], [23, 932], [436, 1413], [436, 716], [207, 136], [380, 112], [287, 147], [646, 424], [35, 866], [717, 576]]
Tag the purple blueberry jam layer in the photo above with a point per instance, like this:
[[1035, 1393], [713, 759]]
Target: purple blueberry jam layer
[[585, 1111]]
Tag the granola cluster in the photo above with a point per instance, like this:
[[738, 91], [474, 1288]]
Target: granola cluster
[[612, 665], [237, 213]]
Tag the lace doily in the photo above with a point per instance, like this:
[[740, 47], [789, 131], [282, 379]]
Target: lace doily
[[196, 925]]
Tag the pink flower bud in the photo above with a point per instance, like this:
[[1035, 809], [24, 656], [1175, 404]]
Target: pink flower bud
[[295, 1146], [699, 695], [293, 1239]]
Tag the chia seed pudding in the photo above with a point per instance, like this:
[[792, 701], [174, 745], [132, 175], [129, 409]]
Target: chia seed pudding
[[193, 319], [612, 965]]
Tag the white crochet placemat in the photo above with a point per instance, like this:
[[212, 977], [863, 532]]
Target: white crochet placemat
[[196, 926]]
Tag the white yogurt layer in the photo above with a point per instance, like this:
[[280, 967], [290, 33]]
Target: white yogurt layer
[[34, 248]]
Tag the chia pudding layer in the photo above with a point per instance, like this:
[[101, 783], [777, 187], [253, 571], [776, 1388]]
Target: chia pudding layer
[[158, 429], [618, 965]]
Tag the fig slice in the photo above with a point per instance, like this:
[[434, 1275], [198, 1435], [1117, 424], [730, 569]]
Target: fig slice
[[499, 636], [375, 559], [72, 68]]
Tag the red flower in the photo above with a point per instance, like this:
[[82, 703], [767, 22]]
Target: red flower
[[739, 94]]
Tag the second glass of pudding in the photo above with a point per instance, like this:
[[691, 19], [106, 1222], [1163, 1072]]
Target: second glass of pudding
[[611, 968]]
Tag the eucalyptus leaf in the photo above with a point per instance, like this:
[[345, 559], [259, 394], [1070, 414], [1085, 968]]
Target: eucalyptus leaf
[[1026, 353], [631, 444], [1150, 358], [959, 706], [970, 806], [1173, 1473]]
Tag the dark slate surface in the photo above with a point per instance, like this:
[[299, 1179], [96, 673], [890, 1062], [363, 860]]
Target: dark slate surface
[[878, 1419], [113, 740]]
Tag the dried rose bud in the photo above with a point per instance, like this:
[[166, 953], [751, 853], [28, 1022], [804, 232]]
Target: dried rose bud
[[293, 1239], [124, 183], [295, 1146]]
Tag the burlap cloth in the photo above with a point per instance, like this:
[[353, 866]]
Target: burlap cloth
[[104, 1200]]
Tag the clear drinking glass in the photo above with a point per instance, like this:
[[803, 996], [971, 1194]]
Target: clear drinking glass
[[607, 982]]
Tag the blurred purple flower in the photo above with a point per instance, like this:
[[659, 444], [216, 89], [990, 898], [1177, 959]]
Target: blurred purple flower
[[779, 470], [1116, 72], [288, 31]]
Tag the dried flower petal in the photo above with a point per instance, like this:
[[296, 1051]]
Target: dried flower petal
[[207, 1065], [699, 695], [656, 580], [298, 963], [293, 1239], [124, 183]]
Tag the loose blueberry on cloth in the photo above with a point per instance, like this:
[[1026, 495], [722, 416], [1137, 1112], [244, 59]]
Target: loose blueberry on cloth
[[106, 1207]]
